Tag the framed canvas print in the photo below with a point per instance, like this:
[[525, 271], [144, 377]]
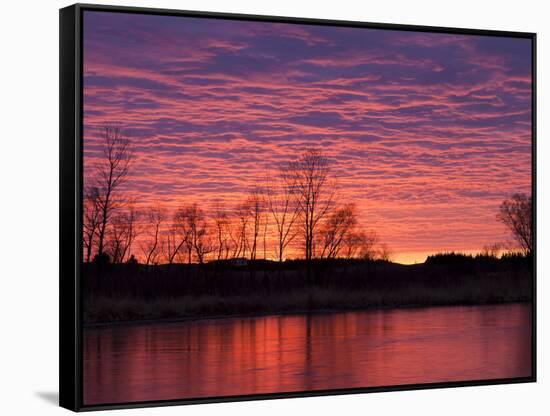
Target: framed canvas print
[[260, 207]]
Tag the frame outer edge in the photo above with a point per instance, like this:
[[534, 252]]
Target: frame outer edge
[[534, 300], [70, 333], [69, 197]]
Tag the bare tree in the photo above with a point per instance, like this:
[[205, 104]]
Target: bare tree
[[152, 247], [368, 241], [202, 242], [516, 214], [175, 240], [203, 245], [492, 250], [180, 235], [131, 218], [266, 224], [362, 244], [352, 244], [182, 220], [193, 226], [384, 252], [256, 204], [222, 225], [313, 192], [284, 211], [116, 239], [91, 220], [110, 175], [240, 233], [121, 235], [234, 229], [338, 225]]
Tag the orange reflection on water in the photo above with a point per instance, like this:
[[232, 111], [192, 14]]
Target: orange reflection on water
[[225, 357]]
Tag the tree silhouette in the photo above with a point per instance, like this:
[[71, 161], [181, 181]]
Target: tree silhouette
[[175, 239], [151, 248], [283, 209], [492, 250], [91, 220], [240, 234], [313, 193], [202, 242], [122, 234], [182, 222], [111, 172], [255, 203], [516, 214], [191, 221], [384, 252], [367, 242], [298, 201], [222, 225], [339, 224]]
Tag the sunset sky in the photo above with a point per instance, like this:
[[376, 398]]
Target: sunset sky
[[426, 132]]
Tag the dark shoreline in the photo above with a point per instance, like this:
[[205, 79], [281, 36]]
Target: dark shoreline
[[140, 322], [127, 294]]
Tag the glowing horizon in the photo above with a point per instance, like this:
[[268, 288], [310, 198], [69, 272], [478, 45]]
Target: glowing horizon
[[427, 133]]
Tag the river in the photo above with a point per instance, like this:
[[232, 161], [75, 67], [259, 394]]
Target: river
[[290, 353]]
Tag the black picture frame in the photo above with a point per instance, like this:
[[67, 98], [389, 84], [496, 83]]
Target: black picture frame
[[70, 165]]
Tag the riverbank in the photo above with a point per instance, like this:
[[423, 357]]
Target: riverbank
[[341, 286], [290, 312]]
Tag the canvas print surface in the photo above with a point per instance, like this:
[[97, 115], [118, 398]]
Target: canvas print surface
[[282, 207]]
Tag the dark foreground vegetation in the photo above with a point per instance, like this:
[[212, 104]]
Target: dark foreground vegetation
[[130, 292]]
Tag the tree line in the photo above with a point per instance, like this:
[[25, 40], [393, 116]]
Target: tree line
[[295, 206]]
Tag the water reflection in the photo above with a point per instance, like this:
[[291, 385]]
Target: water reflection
[[224, 357]]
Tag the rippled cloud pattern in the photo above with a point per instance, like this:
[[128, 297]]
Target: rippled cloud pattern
[[426, 132]]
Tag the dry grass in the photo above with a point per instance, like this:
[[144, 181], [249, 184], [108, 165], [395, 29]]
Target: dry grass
[[489, 288]]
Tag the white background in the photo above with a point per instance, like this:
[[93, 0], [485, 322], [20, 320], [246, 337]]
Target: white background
[[29, 206]]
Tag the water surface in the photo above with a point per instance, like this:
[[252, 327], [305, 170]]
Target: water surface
[[223, 357]]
